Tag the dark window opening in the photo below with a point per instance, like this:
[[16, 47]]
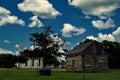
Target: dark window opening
[[39, 62], [26, 64], [32, 62]]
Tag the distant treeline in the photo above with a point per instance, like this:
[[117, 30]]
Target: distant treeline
[[9, 60]]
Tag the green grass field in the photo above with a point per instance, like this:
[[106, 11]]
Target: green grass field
[[31, 74]]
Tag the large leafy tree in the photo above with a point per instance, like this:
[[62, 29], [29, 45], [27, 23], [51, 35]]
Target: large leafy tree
[[46, 46]]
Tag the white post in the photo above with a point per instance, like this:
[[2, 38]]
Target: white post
[[41, 62]]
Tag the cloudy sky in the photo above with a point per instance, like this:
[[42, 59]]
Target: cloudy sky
[[73, 20]]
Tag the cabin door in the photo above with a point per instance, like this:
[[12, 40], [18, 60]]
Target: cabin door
[[73, 65]]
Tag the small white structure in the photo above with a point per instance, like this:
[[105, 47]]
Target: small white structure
[[31, 63]]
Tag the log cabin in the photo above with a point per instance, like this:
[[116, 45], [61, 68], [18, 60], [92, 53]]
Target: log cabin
[[87, 57]]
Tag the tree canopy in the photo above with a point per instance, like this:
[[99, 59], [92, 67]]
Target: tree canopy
[[45, 45], [9, 60]]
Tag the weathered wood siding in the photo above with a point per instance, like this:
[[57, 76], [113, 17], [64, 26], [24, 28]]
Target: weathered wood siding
[[89, 63], [74, 63], [95, 59], [95, 63]]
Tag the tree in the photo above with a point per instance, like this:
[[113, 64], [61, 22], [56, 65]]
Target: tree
[[46, 46], [7, 60], [113, 50], [21, 59]]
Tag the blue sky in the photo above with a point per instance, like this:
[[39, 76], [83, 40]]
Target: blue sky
[[73, 20]]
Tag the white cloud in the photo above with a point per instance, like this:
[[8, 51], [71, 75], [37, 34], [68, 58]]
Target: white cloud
[[4, 12], [108, 37], [96, 7], [57, 40], [6, 18], [67, 43], [99, 24], [17, 45], [20, 47], [4, 51], [6, 41], [41, 8], [17, 53], [32, 47], [117, 34], [11, 20], [103, 17], [87, 17], [114, 36], [70, 30], [35, 22], [102, 37], [92, 38]]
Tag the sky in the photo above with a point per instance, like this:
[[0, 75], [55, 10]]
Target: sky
[[73, 20]]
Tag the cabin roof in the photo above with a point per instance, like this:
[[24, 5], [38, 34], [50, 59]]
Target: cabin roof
[[81, 47]]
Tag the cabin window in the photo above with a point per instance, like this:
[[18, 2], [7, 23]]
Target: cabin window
[[95, 61], [73, 64], [39, 61], [26, 64]]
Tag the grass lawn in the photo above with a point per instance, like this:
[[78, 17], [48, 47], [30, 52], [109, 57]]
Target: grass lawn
[[31, 74]]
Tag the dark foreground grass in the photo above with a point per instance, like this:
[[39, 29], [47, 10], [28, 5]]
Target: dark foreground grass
[[31, 74]]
